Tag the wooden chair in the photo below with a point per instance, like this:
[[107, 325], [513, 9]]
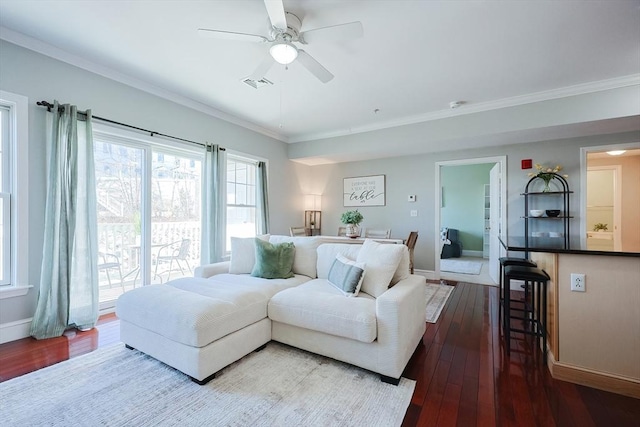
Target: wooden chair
[[373, 233], [342, 231], [411, 243], [297, 231]]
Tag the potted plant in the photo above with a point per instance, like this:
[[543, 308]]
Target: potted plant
[[600, 227], [352, 219]]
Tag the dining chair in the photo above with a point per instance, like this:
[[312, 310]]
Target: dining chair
[[411, 243], [297, 231], [377, 233]]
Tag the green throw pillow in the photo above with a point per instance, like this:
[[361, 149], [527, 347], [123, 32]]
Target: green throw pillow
[[273, 261]]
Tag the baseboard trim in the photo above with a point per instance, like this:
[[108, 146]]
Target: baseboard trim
[[16, 330], [600, 380], [429, 274]]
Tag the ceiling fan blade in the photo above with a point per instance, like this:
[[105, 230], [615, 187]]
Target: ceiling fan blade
[[275, 10], [263, 68], [230, 35], [314, 66], [335, 33]]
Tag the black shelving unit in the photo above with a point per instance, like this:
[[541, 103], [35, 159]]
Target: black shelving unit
[[565, 213]]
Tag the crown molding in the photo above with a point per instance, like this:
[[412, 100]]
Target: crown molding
[[51, 51], [580, 89]]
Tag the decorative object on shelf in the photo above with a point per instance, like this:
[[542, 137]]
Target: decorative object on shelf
[[600, 227], [547, 175], [352, 219], [312, 214], [364, 191], [552, 213], [537, 213]]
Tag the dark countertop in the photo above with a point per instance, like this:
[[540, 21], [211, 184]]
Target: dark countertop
[[556, 246]]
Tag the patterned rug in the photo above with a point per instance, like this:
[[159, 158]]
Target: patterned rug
[[437, 296], [278, 386]]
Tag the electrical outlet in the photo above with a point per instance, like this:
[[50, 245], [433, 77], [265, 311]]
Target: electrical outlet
[[414, 212], [577, 282]]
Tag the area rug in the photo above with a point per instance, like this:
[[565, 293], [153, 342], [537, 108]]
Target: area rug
[[437, 296], [278, 386], [460, 266]]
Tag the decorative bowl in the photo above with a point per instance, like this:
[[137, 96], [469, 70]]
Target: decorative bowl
[[536, 212], [553, 212]]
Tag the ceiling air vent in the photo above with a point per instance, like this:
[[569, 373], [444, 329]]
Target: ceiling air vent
[[257, 84]]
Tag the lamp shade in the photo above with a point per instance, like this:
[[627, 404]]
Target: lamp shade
[[283, 52], [313, 202]]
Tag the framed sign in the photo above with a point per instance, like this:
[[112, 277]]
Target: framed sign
[[364, 191]]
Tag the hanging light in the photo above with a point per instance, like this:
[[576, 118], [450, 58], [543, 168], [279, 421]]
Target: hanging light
[[283, 52], [616, 152]]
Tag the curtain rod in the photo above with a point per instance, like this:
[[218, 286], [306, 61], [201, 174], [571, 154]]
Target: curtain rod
[[150, 132]]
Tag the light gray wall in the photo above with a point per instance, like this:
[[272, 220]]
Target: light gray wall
[[39, 77], [463, 202], [415, 175]]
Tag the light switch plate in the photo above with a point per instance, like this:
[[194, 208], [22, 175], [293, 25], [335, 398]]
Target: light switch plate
[[412, 197], [414, 212]]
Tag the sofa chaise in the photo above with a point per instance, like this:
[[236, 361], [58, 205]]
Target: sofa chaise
[[201, 324]]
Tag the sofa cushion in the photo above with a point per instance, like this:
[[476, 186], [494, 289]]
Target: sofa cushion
[[381, 261], [273, 261], [403, 271], [327, 253], [306, 256], [318, 306], [346, 275], [243, 254], [196, 311]]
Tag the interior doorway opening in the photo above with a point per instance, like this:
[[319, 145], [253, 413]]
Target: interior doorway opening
[[471, 204]]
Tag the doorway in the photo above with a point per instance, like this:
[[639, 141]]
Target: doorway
[[480, 231], [610, 197]]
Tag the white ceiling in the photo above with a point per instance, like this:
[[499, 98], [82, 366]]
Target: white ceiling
[[415, 56]]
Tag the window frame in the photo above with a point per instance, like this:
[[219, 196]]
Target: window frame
[[241, 158], [18, 194]]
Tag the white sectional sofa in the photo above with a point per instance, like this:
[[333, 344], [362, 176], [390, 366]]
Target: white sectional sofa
[[200, 325]]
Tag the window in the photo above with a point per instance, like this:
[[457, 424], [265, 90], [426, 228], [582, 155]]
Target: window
[[5, 199], [14, 193], [241, 198]]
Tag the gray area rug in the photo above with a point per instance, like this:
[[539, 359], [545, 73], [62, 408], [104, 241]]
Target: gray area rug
[[460, 266], [278, 386], [437, 296]]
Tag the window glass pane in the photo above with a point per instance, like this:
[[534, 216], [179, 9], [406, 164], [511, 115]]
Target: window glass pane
[[119, 197], [176, 197], [241, 210], [2, 246]]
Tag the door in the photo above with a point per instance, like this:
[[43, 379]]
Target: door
[[603, 207], [495, 209]]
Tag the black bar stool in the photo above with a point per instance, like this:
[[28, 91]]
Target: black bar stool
[[537, 323], [508, 261]]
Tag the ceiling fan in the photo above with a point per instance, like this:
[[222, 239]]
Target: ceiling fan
[[284, 32]]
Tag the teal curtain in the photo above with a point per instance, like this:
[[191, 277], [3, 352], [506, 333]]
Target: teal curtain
[[262, 199], [214, 221], [68, 277]]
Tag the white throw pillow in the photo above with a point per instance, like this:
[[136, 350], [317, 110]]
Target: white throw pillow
[[306, 256], [402, 272], [243, 254], [346, 275], [382, 260]]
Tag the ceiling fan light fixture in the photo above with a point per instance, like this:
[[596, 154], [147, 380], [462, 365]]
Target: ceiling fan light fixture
[[283, 52]]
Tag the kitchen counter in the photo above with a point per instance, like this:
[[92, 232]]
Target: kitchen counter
[[556, 245]]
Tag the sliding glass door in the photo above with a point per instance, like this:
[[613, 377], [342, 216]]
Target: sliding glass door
[[149, 200]]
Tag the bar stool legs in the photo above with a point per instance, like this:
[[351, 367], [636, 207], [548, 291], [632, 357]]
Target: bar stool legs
[[536, 324]]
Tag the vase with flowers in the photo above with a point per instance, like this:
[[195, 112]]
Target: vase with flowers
[[352, 219], [547, 174]]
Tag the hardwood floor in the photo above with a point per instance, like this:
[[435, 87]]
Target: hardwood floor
[[462, 375]]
